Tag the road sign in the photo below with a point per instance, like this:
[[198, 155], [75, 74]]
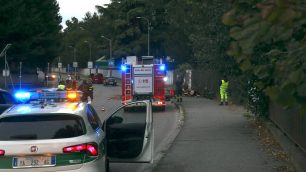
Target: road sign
[[59, 65], [90, 65], [111, 63], [75, 64], [5, 72]]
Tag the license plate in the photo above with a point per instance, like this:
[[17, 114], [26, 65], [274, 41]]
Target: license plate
[[34, 161], [110, 82]]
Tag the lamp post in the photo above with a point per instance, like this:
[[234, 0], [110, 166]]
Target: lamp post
[[6, 66], [110, 45], [110, 50], [74, 60], [148, 32], [89, 54]]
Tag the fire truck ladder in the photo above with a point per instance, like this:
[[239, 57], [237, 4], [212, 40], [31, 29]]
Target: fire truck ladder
[[128, 84]]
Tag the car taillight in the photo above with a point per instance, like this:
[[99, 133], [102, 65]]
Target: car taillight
[[92, 149], [160, 103], [2, 152]]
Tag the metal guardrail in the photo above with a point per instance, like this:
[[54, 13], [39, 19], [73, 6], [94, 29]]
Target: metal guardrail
[[291, 122]]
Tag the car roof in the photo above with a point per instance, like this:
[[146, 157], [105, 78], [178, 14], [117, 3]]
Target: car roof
[[55, 108]]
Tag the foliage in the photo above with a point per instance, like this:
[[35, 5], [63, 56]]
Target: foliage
[[269, 43], [118, 21], [258, 102], [190, 31], [32, 27]]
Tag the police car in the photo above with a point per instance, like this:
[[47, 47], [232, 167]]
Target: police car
[[54, 131]]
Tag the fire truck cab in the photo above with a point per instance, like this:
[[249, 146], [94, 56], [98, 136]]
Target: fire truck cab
[[143, 79]]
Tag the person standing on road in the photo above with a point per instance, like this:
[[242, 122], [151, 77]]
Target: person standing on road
[[84, 87], [90, 89], [61, 86], [224, 91], [74, 84]]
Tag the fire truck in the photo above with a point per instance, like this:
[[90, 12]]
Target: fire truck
[[143, 79]]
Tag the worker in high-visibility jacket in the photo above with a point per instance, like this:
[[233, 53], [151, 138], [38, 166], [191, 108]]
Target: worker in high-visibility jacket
[[61, 86], [224, 91]]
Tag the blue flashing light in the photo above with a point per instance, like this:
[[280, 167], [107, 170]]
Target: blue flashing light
[[123, 68], [162, 67], [23, 96], [165, 79]]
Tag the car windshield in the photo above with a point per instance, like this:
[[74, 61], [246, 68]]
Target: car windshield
[[36, 127]]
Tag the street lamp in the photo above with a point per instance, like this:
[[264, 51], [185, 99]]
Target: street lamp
[[110, 45], [74, 60], [148, 32], [110, 50], [6, 66], [89, 54]]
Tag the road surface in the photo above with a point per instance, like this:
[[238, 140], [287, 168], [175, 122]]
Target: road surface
[[165, 123]]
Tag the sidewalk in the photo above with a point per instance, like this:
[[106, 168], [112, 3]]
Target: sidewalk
[[215, 138]]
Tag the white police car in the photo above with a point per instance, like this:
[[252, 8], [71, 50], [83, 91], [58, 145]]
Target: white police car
[[68, 136]]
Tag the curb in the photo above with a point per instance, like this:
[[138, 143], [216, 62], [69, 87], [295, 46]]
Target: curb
[[180, 116], [295, 154]]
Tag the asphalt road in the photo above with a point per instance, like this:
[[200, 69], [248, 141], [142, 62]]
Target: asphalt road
[[165, 124]]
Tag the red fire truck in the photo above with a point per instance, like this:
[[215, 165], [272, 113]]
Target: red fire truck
[[143, 79]]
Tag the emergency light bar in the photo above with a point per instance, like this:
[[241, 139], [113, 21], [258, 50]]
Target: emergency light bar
[[48, 95], [162, 67], [22, 96], [123, 68]]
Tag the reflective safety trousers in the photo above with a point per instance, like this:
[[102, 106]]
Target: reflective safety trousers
[[90, 88], [223, 91]]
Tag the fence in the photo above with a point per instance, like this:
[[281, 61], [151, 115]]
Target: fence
[[291, 122], [85, 72]]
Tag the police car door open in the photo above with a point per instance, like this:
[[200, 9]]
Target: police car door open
[[130, 135]]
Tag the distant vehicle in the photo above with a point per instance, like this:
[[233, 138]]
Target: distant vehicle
[[110, 81], [40, 75], [143, 79], [51, 77], [98, 78], [68, 135], [6, 100]]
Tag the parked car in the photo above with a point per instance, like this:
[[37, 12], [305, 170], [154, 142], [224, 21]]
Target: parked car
[[110, 81], [97, 78], [6, 100]]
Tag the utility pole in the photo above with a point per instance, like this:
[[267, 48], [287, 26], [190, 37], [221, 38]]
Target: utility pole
[[48, 74], [89, 54], [110, 50], [59, 65], [20, 69], [75, 64], [148, 21], [3, 53]]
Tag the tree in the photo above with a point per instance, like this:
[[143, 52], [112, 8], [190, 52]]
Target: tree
[[33, 29], [269, 42]]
